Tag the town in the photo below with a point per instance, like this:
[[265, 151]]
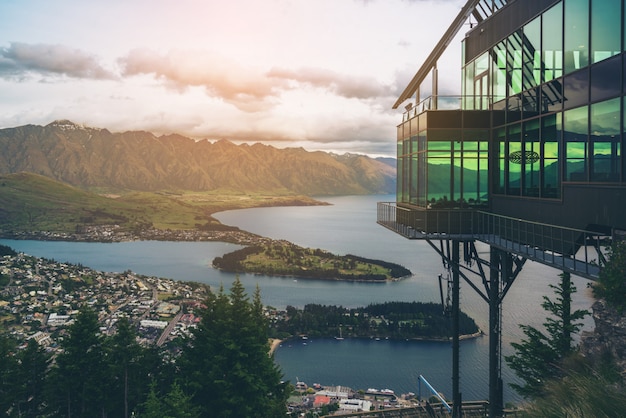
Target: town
[[39, 299]]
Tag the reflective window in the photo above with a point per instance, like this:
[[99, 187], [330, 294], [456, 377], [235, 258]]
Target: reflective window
[[576, 35], [481, 82], [532, 54], [468, 81], [514, 160], [515, 62], [552, 37], [550, 135], [576, 89], [530, 158], [499, 179], [413, 176], [551, 96], [605, 20], [575, 129], [530, 103], [475, 166], [605, 141], [499, 87], [514, 108], [605, 79]]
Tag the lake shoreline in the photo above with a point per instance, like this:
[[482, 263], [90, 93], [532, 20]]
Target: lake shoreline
[[275, 343]]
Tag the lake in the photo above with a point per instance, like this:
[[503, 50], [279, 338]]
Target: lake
[[347, 226]]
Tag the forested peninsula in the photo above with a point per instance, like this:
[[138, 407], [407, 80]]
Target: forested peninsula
[[392, 320], [283, 258]]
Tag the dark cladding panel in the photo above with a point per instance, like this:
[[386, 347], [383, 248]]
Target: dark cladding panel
[[476, 119], [444, 119], [607, 208], [501, 24]]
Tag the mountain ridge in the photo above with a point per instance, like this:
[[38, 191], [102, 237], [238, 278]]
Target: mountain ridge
[[96, 158]]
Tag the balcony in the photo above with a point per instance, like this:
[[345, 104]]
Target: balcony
[[568, 249]]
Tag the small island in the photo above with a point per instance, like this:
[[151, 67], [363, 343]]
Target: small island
[[283, 258], [390, 320]]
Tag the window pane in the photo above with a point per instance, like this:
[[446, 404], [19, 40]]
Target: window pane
[[551, 96], [413, 178], [514, 62], [605, 79], [552, 37], [576, 89], [532, 54], [575, 126], [576, 35], [530, 158], [605, 21], [551, 132], [499, 170], [514, 167], [605, 140], [499, 72]]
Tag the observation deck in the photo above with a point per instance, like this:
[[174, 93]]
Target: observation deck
[[572, 250]]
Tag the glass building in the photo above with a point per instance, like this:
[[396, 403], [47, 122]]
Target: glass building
[[537, 130], [527, 159]]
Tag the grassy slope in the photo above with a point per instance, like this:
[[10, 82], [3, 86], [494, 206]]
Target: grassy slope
[[30, 202]]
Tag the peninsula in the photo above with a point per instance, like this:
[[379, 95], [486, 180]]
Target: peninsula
[[390, 320], [39, 208], [283, 258]]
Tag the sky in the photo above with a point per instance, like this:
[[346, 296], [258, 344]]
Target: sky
[[317, 74]]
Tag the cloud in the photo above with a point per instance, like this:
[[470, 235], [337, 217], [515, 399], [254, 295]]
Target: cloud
[[339, 84], [21, 59], [245, 88]]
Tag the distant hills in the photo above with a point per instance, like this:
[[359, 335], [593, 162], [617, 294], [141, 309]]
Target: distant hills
[[99, 160]]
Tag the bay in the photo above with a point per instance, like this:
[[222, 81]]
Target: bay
[[346, 226]]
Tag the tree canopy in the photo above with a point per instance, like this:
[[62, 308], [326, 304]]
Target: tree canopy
[[224, 369], [537, 358], [226, 365], [611, 284]]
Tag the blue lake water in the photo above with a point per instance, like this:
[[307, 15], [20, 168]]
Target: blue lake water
[[348, 226]]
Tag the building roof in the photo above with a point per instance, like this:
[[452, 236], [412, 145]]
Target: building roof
[[471, 8]]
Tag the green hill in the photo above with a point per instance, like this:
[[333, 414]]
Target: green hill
[[31, 202]]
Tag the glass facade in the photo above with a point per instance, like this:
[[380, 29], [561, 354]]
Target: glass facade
[[558, 80], [553, 93], [443, 160]]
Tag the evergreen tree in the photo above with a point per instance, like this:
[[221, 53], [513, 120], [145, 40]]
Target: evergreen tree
[[176, 404], [31, 377], [9, 368], [537, 358], [611, 284], [129, 370], [227, 366], [76, 385]]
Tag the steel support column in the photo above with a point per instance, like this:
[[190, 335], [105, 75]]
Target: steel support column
[[496, 257], [456, 394]]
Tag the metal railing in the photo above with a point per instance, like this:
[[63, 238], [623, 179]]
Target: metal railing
[[569, 249], [448, 103]]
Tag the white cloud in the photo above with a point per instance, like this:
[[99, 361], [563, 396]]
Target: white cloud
[[21, 59]]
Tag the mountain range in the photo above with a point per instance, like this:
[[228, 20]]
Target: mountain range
[[98, 159]]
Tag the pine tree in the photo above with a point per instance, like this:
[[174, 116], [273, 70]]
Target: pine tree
[[76, 388], [128, 372], [537, 358], [611, 284], [30, 381], [227, 366], [9, 368], [176, 404]]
